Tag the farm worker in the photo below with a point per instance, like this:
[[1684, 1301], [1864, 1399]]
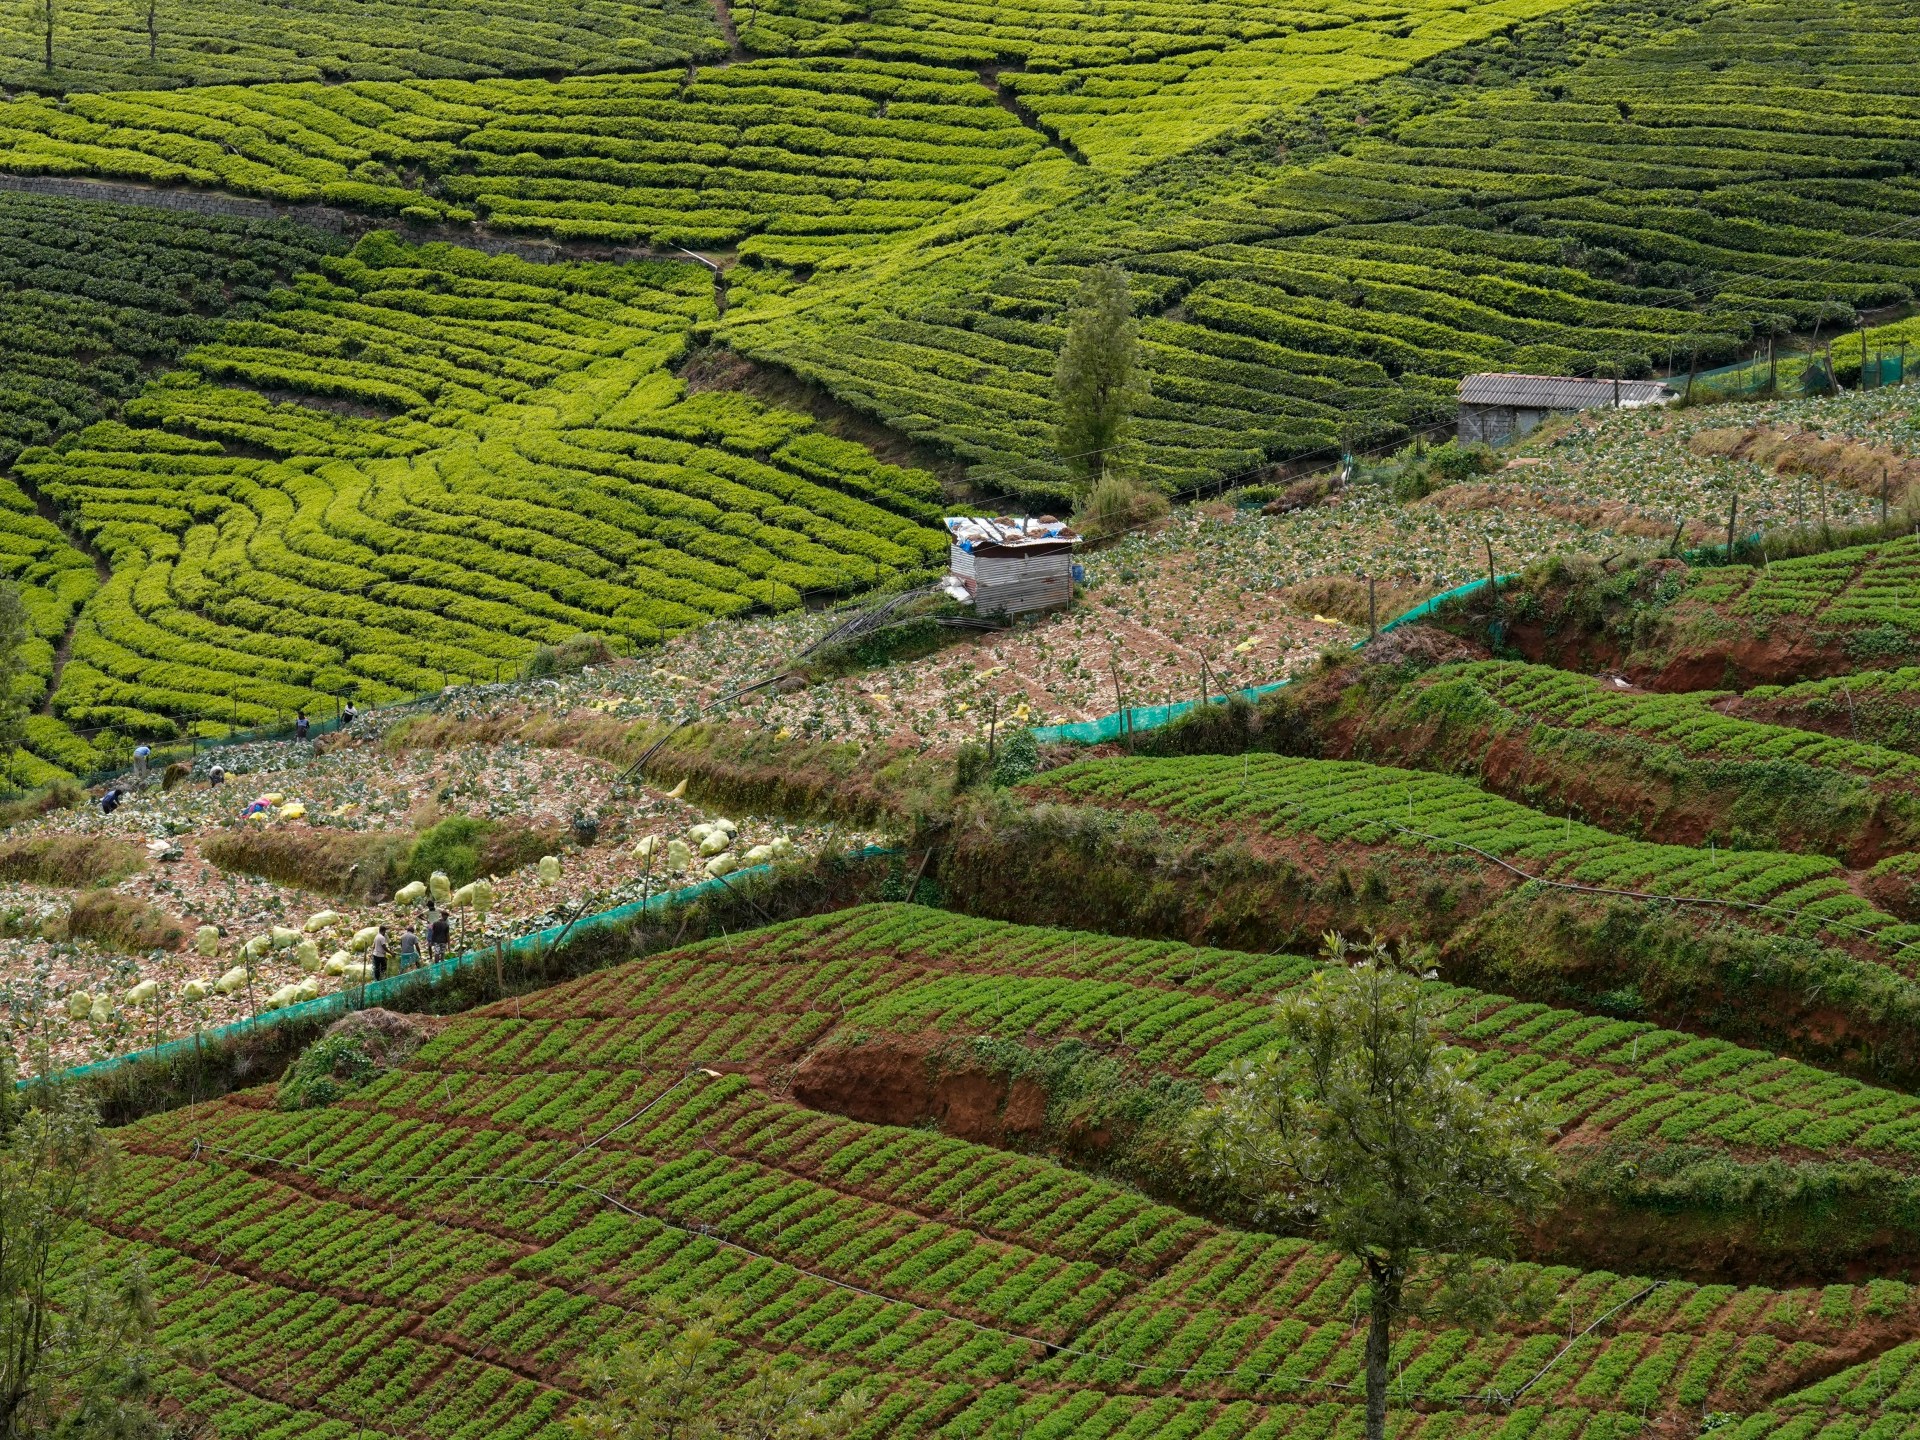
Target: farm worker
[[142, 753], [216, 777], [409, 949], [260, 805], [439, 934], [110, 801], [300, 725], [380, 954], [347, 715]]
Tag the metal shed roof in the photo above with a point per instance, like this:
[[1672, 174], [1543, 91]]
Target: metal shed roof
[[1559, 392]]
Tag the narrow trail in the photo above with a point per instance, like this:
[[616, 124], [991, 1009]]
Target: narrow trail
[[723, 12], [51, 514], [1008, 101], [217, 202]]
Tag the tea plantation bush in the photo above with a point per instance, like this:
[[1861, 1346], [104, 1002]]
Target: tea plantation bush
[[104, 45], [516, 468]]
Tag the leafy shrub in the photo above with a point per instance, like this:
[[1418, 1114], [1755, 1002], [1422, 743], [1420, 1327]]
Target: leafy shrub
[[1115, 506], [1454, 462], [124, 922], [570, 657], [354, 1051], [1017, 757], [334, 862], [68, 860], [466, 848]]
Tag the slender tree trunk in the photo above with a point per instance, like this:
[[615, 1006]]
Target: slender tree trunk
[[1386, 1280]]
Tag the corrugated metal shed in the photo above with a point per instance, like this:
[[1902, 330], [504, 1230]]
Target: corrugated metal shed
[[1560, 392], [1496, 408], [1012, 567]]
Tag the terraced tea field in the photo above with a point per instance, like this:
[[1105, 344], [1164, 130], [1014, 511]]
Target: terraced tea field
[[492, 1246], [1127, 89], [549, 375], [98, 46], [811, 159], [508, 464], [1585, 224]]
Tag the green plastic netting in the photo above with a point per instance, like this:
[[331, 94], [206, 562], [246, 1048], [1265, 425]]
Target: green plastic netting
[[1136, 718]]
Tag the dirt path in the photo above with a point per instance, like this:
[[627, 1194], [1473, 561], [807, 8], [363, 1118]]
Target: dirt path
[[1009, 102], [723, 12], [51, 514]]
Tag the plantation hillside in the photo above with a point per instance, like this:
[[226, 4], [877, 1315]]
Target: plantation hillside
[[674, 896], [1327, 217], [101, 46], [433, 1254]]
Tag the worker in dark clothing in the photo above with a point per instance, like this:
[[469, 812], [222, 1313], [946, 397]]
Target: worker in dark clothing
[[110, 801], [439, 934], [300, 725]]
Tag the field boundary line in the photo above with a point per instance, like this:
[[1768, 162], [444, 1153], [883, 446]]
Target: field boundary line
[[1486, 1395]]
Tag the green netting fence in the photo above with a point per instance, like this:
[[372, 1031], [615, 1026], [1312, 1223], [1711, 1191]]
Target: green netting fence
[[1135, 718], [424, 977], [1800, 372]]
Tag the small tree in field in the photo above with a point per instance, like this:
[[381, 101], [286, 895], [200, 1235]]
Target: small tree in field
[[1364, 1129], [682, 1379], [73, 1326], [1096, 383]]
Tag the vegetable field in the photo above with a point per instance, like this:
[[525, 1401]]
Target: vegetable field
[[1192, 1011], [1675, 767], [436, 1254], [1365, 805], [1811, 618]]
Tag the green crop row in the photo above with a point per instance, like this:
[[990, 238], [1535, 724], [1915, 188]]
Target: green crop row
[[1577, 221], [937, 1272], [840, 152], [1166, 77], [1881, 707], [1688, 722], [98, 45], [92, 295], [523, 470], [1189, 1011], [1375, 805], [1194, 1011], [1674, 766]]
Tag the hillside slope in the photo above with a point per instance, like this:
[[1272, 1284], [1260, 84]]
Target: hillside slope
[[436, 1254]]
